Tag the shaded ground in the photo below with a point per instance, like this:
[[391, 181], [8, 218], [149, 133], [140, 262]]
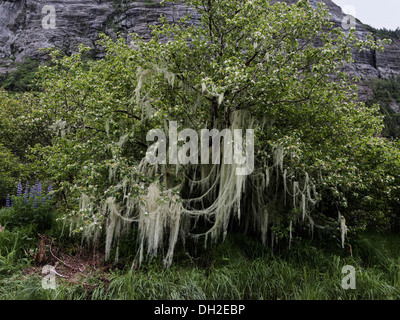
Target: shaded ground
[[79, 268]]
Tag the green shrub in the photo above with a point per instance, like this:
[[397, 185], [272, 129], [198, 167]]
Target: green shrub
[[10, 169], [23, 78], [385, 93], [32, 210]]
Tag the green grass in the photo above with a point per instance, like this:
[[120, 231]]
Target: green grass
[[238, 269]]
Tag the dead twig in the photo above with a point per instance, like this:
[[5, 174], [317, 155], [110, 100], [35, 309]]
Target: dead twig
[[67, 265]]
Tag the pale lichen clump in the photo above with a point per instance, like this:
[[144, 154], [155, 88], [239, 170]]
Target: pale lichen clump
[[171, 206], [343, 228], [213, 192]]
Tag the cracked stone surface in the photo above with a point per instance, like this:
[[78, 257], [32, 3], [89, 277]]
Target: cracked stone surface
[[77, 21]]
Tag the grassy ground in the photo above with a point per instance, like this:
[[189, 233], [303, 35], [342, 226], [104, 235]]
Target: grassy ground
[[239, 268]]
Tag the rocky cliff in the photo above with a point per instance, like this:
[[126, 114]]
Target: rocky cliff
[[77, 21], [370, 64], [23, 35]]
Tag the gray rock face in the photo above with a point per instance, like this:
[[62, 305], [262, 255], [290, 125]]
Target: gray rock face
[[22, 34], [366, 64], [395, 107], [77, 21]]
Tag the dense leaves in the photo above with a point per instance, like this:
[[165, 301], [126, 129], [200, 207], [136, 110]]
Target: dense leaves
[[386, 93]]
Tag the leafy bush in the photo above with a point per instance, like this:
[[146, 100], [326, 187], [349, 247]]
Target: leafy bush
[[386, 92], [10, 170], [22, 125], [23, 78], [31, 209]]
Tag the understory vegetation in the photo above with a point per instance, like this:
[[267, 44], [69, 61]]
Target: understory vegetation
[[85, 188], [240, 268]]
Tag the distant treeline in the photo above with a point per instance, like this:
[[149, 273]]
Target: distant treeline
[[384, 33], [386, 93], [22, 79]]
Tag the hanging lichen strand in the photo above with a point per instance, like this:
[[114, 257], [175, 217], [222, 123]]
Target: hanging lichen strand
[[214, 193]]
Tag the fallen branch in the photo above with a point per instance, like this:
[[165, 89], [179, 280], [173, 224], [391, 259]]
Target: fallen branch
[[67, 265]]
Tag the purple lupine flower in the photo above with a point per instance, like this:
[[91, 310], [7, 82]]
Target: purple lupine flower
[[49, 190], [39, 189], [19, 189], [35, 203], [8, 202], [26, 193]]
